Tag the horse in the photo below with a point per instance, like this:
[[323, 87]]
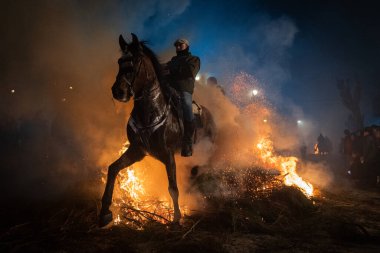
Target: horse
[[154, 127]]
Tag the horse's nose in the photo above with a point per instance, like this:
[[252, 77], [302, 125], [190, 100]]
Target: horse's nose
[[115, 91]]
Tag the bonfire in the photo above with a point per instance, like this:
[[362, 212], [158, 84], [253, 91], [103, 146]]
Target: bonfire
[[136, 208]]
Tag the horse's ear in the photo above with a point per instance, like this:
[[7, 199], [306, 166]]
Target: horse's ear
[[136, 43], [135, 40], [123, 44]]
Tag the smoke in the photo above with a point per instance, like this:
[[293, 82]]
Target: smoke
[[240, 128], [318, 174], [60, 124], [263, 52]]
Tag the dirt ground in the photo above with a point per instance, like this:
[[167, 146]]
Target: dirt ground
[[345, 219]]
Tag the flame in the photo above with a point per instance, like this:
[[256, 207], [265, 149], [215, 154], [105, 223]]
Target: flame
[[132, 184], [316, 149], [286, 165], [134, 206]]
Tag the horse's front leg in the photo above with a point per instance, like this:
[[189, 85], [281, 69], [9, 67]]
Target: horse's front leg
[[169, 161], [132, 155]]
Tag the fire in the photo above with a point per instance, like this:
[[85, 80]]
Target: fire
[[132, 184], [316, 149], [286, 165], [134, 206]]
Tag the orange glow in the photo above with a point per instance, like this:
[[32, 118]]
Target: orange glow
[[286, 165], [316, 149], [134, 205]]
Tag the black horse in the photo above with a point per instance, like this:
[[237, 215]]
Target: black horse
[[154, 127]]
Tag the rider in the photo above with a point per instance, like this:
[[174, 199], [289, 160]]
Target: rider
[[212, 81], [182, 71]]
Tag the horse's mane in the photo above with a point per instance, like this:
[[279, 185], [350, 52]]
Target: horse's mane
[[156, 65]]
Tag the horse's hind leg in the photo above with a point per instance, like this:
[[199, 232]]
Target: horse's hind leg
[[132, 155], [168, 160]]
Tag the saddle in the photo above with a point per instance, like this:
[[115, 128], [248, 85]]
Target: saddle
[[197, 111], [175, 102]]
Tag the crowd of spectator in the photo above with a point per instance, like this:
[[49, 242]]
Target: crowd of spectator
[[361, 150]]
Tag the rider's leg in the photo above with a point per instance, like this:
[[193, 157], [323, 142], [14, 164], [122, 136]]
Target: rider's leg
[[188, 122]]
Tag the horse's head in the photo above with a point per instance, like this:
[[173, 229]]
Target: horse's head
[[135, 70]]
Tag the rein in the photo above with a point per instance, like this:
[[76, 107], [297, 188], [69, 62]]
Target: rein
[[130, 84], [145, 131]]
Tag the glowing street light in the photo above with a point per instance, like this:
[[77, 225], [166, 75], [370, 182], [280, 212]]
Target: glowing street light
[[299, 122], [255, 92]]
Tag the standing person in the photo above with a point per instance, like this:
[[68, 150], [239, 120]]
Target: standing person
[[212, 81], [347, 144], [355, 164], [369, 155], [347, 148], [321, 144], [182, 71]]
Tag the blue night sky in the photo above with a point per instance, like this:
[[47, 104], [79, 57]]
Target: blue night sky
[[297, 49], [308, 44]]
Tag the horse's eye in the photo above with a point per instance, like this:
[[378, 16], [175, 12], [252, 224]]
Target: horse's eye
[[137, 61], [129, 69], [127, 65]]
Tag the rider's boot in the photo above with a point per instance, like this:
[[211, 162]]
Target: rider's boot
[[187, 142]]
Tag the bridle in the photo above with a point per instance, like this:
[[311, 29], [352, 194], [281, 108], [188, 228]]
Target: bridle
[[130, 64], [144, 131]]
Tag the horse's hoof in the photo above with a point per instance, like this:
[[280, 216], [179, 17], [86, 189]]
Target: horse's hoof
[[177, 217], [105, 218], [175, 226]]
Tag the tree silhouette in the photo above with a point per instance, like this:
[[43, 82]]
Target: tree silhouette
[[351, 100]]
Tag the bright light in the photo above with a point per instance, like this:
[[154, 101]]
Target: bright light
[[254, 92], [71, 87], [13, 91], [265, 121], [299, 122], [198, 77]]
